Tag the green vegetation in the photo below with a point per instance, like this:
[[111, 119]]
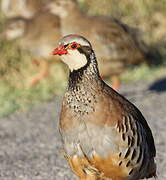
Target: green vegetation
[[16, 68], [144, 73]]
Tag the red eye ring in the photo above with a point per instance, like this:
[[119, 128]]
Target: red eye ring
[[74, 45]]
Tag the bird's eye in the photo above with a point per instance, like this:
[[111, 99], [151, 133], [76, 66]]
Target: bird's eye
[[74, 46]]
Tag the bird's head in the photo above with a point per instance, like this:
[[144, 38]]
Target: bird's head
[[74, 50], [62, 8], [14, 28]]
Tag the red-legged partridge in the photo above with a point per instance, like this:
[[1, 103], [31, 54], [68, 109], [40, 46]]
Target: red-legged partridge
[[104, 135]]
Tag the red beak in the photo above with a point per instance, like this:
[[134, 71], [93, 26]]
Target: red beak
[[59, 51]]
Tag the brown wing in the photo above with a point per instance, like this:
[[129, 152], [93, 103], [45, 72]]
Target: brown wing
[[129, 110], [137, 115]]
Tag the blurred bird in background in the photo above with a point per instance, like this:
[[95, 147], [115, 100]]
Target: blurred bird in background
[[37, 36], [36, 29], [116, 44]]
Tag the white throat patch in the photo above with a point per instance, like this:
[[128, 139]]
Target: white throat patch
[[74, 59]]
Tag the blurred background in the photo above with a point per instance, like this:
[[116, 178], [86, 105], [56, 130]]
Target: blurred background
[[19, 85]]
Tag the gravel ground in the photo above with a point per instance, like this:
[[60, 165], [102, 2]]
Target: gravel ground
[[30, 147]]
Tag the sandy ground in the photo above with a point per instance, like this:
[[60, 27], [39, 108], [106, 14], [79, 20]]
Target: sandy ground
[[30, 146]]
